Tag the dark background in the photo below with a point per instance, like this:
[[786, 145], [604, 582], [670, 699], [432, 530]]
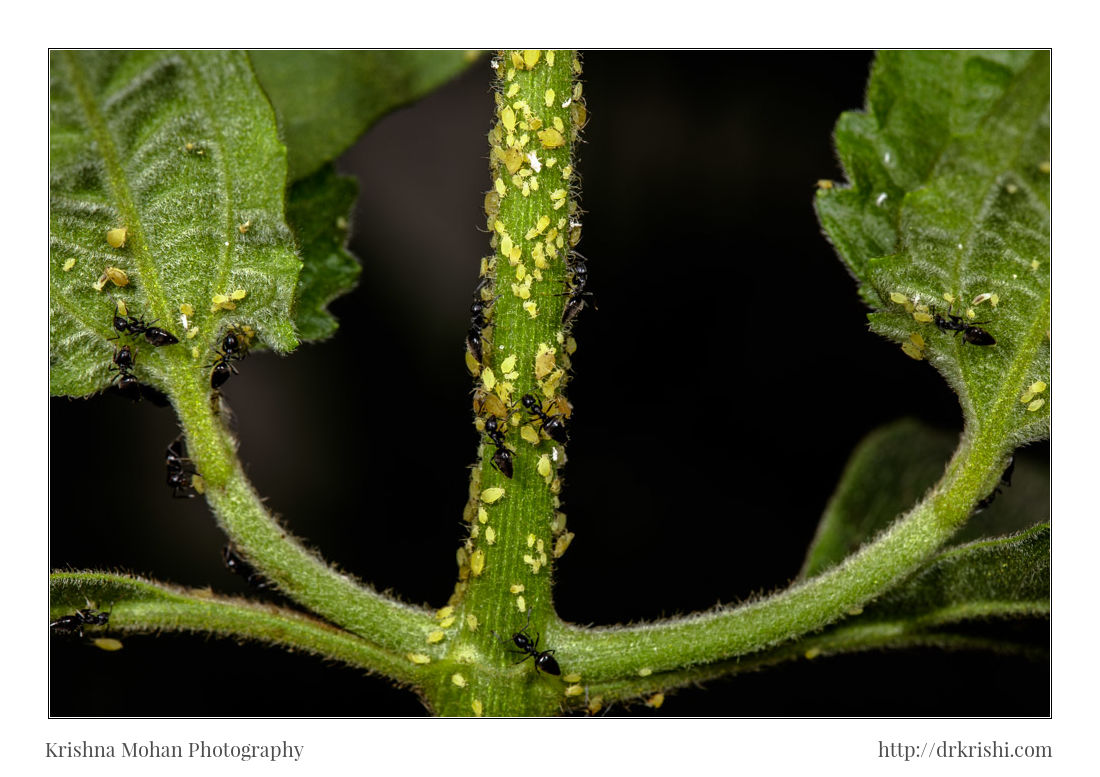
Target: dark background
[[718, 390]]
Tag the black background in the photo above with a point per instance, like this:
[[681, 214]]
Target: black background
[[718, 390]]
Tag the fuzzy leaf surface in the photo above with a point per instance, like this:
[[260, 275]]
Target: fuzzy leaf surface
[[950, 195], [181, 150], [891, 469], [318, 209], [326, 99]]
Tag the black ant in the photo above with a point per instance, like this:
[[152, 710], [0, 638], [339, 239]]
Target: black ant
[[236, 564], [75, 623], [502, 459], [544, 659], [576, 290], [553, 425], [972, 333], [232, 350], [180, 471], [133, 325], [478, 321], [1006, 481], [128, 385]]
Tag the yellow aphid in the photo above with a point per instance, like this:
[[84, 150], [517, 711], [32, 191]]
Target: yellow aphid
[[107, 643], [475, 705], [1038, 387], [120, 306], [898, 297], [571, 345], [1034, 264], [917, 340], [824, 183], [909, 307], [482, 515], [1026, 397], [970, 313], [198, 484], [513, 160], [116, 238], [548, 97], [239, 294], [655, 701], [517, 60], [446, 623], [513, 90], [981, 298], [531, 57], [645, 672], [921, 307], [488, 379], [571, 678], [187, 310], [516, 588], [521, 291], [574, 690], [98, 285], [243, 228], [521, 604], [472, 364], [458, 680], [813, 653], [543, 466], [117, 277], [195, 352], [471, 622], [490, 535], [532, 308], [418, 658], [924, 318], [994, 299], [550, 57], [490, 495], [505, 245], [69, 264], [530, 540], [558, 522], [508, 118], [501, 189], [551, 138], [562, 544], [436, 636], [595, 705], [477, 562], [544, 361], [912, 351], [508, 364], [949, 297], [1038, 403], [444, 612], [558, 124], [221, 302]]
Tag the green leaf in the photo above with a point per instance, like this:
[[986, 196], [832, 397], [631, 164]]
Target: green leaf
[[888, 472], [318, 210], [181, 150], [1005, 577], [950, 195], [326, 99]]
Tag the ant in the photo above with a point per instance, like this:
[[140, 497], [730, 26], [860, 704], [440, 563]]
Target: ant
[[478, 321], [544, 659], [181, 472], [128, 385], [502, 459], [232, 350], [1006, 481], [75, 623], [972, 333], [133, 325], [553, 425], [576, 290], [236, 564]]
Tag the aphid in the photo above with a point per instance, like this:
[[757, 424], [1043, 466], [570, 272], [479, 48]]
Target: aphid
[[180, 471], [75, 623], [529, 648], [553, 425], [238, 566], [502, 459], [971, 332]]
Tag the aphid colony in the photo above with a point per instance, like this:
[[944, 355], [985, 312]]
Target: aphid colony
[[971, 331]]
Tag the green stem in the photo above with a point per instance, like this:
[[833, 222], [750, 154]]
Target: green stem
[[645, 650]]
